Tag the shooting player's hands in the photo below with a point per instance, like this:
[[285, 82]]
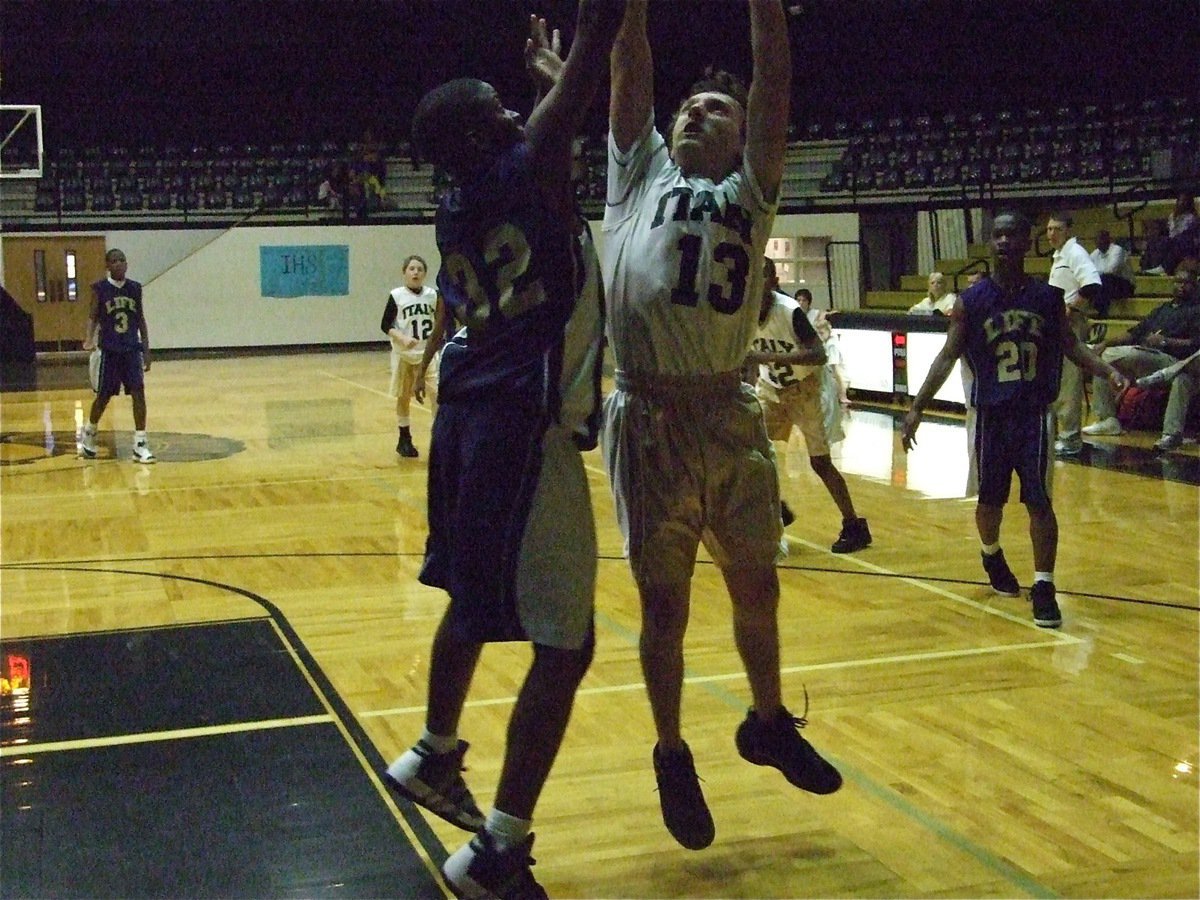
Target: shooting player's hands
[[543, 54]]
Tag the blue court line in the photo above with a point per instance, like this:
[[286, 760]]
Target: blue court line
[[1012, 874]]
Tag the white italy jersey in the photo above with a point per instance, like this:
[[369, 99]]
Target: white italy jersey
[[778, 335], [682, 263], [414, 319]]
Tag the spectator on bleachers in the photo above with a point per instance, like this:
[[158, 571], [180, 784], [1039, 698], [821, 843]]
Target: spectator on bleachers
[[1157, 247], [1116, 274], [1183, 230], [332, 190], [1073, 272], [940, 300], [1168, 334]]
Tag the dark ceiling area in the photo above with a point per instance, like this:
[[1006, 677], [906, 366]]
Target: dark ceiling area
[[257, 71]]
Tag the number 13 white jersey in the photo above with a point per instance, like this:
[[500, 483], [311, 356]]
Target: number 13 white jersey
[[682, 263]]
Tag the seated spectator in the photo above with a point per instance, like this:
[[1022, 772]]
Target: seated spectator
[[332, 190], [1116, 274], [1157, 247], [1168, 334], [1183, 230], [940, 300]]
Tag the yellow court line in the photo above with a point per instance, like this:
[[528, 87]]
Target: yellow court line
[[120, 740]]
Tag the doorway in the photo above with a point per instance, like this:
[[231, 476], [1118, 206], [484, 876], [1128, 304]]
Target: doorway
[[51, 278]]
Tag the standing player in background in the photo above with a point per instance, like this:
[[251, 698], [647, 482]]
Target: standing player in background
[[790, 358], [511, 532], [117, 325], [1074, 273], [1015, 332], [408, 320], [685, 445]]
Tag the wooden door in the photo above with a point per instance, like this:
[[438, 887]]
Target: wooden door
[[51, 278]]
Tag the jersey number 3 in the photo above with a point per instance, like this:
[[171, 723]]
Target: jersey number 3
[[726, 298]]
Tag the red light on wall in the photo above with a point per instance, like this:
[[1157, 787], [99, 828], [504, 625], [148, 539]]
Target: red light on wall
[[899, 339]]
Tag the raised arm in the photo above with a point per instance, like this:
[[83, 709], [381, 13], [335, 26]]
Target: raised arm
[[556, 119], [769, 102], [632, 99]]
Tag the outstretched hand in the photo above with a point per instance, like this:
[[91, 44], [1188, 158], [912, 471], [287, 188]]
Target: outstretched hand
[[908, 430], [418, 390], [543, 54]]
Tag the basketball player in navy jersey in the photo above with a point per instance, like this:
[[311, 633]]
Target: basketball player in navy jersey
[[685, 445], [117, 325], [511, 533], [1015, 333]]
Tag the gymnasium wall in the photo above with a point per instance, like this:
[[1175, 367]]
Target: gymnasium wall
[[204, 289]]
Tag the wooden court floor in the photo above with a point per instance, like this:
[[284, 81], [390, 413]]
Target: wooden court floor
[[983, 757]]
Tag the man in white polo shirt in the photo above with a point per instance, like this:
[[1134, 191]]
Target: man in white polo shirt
[[1073, 271]]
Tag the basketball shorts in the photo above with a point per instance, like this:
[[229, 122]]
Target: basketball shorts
[[689, 461], [404, 377], [1012, 439], [511, 533], [800, 405], [120, 368]]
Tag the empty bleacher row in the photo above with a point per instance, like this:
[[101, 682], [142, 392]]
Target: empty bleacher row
[[1155, 139], [902, 158], [280, 176]]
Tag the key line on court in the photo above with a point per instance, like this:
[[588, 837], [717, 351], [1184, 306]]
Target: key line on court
[[174, 734]]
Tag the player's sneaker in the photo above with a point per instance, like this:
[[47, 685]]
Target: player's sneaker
[[1168, 442], [1000, 575], [142, 454], [1109, 426], [87, 442], [1046, 613], [1161, 377], [479, 869], [434, 781], [1069, 447], [778, 743], [684, 811], [855, 536], [404, 446]]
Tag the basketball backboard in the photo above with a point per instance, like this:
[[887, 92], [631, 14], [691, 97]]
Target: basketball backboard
[[21, 151]]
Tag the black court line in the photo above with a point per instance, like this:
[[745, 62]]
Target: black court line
[[373, 554], [200, 681]]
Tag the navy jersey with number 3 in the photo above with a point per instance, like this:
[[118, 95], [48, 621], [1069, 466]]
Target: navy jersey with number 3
[[509, 272], [1014, 342], [119, 315]]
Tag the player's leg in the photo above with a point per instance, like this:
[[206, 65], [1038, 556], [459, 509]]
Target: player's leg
[[809, 416], [406, 373], [994, 467], [1034, 468]]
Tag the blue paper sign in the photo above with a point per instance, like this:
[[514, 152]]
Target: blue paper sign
[[319, 270]]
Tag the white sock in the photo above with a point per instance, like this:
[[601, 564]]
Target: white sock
[[990, 549], [139, 437], [1043, 576], [508, 831], [439, 743]]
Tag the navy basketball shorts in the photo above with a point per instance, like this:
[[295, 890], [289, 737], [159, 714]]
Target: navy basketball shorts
[[1016, 439], [512, 538], [120, 368]]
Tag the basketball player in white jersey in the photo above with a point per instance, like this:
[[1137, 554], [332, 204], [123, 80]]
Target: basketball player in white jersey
[[685, 445], [791, 365], [408, 320]]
